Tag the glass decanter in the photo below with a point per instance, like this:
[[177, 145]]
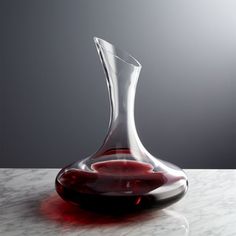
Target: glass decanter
[[122, 174]]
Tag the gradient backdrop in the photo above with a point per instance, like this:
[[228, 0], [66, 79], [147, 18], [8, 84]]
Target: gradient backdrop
[[54, 100]]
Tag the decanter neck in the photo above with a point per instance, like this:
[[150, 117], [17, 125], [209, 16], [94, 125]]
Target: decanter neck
[[122, 72], [122, 89]]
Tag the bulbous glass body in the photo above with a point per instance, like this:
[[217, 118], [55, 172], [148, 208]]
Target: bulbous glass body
[[122, 174]]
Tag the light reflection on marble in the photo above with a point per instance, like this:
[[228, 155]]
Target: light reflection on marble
[[30, 206]]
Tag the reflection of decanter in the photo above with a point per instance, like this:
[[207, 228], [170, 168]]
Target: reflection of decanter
[[122, 174]]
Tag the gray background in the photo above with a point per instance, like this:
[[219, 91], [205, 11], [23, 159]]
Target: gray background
[[54, 100]]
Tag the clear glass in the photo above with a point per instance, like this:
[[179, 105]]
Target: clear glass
[[122, 174]]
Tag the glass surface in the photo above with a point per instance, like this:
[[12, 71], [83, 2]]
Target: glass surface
[[122, 174]]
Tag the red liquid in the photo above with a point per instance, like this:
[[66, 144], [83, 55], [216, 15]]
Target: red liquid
[[115, 185]]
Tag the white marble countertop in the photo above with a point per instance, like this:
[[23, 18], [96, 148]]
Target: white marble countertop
[[30, 206]]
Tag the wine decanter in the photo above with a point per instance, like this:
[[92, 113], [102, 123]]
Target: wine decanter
[[122, 174]]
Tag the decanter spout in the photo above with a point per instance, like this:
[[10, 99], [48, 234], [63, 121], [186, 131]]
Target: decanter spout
[[115, 61]]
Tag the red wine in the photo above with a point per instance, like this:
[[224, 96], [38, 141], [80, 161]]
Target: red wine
[[115, 185]]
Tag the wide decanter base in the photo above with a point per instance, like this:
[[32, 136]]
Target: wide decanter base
[[121, 185]]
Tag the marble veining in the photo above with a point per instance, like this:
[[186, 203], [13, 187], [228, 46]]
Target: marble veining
[[30, 206]]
